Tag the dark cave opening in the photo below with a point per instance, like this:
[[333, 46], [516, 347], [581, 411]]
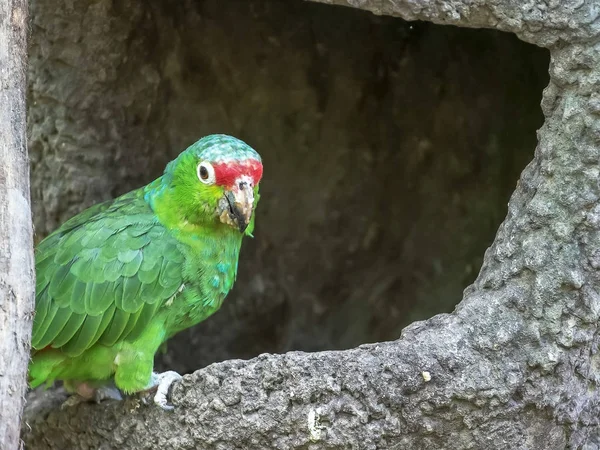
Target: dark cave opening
[[390, 148]]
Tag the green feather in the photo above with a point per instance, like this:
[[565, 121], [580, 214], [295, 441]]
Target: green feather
[[150, 275], [117, 290], [133, 320], [69, 242], [131, 268], [140, 229], [169, 274], [125, 240], [97, 238], [144, 318], [41, 329], [150, 261], [109, 253], [98, 266], [106, 321], [127, 256], [43, 267], [115, 329], [98, 298], [130, 300], [66, 254], [83, 338], [83, 269], [175, 254], [169, 291], [57, 279], [76, 297], [156, 233], [43, 301], [69, 330], [56, 326], [152, 253], [62, 282], [151, 292], [41, 284], [112, 270]]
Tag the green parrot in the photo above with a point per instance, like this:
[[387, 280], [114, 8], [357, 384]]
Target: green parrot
[[119, 279]]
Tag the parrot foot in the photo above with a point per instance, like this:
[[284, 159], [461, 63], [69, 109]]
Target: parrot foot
[[72, 400], [85, 392], [162, 383], [107, 393]]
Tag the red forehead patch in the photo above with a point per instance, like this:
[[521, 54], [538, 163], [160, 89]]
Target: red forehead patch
[[227, 173]]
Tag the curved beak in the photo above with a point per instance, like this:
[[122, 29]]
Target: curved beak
[[237, 204]]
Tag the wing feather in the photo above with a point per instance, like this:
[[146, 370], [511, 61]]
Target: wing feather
[[106, 320], [56, 326], [145, 316], [115, 329], [103, 276], [130, 301], [42, 327], [69, 330], [84, 336], [134, 319]]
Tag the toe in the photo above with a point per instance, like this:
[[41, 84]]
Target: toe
[[108, 393], [165, 380]]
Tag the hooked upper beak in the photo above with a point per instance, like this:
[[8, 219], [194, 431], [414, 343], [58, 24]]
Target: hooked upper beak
[[237, 205]]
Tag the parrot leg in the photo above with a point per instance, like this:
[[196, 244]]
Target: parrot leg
[[72, 400], [134, 367], [107, 393], [98, 393], [162, 383], [90, 391]]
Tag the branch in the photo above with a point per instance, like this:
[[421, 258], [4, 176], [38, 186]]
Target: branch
[[539, 22], [16, 233]]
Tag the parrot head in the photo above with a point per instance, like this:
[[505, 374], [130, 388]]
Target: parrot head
[[215, 181]]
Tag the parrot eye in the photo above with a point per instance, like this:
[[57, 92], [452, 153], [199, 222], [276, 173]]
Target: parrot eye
[[206, 173]]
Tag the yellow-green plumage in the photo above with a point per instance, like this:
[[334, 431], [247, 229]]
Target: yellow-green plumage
[[117, 280]]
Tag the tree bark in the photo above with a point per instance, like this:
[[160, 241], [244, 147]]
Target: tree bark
[[515, 366], [16, 233]]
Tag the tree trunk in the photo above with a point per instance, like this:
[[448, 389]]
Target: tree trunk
[[514, 366], [17, 277]]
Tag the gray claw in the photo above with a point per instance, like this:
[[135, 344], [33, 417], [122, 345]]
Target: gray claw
[[163, 382]]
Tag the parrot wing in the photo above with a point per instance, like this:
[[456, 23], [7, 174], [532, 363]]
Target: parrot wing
[[102, 276]]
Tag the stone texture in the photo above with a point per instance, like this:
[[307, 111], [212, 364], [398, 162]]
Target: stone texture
[[543, 23]]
